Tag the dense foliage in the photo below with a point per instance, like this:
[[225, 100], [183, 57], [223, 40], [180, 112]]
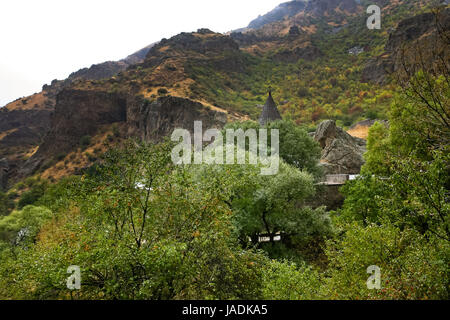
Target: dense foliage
[[326, 86], [397, 213], [296, 147], [141, 227]]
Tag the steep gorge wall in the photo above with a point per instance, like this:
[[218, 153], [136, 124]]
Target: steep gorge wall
[[415, 36], [80, 113], [23, 126], [154, 120], [77, 113]]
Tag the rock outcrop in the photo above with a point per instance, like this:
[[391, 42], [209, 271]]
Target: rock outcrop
[[21, 131], [23, 127], [152, 120], [99, 71], [341, 153], [199, 43], [77, 113], [419, 31], [80, 113], [4, 168], [284, 10]]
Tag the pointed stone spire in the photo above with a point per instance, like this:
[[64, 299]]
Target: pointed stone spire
[[270, 111]]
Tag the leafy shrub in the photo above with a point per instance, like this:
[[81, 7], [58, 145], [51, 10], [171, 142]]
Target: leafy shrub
[[412, 267], [85, 141], [30, 218], [31, 196], [60, 156], [91, 157], [284, 280], [6, 204], [116, 130], [162, 91]]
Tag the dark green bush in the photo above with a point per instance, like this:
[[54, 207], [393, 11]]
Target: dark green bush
[[85, 141], [31, 196], [162, 91], [61, 156]]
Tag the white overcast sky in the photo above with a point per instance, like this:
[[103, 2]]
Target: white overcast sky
[[42, 40]]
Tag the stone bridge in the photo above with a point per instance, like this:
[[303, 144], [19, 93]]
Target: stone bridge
[[337, 179]]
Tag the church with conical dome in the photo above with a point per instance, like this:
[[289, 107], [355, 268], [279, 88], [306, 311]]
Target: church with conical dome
[[270, 111]]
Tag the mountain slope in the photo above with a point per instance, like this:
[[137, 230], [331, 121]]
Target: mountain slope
[[312, 54], [284, 10], [25, 122]]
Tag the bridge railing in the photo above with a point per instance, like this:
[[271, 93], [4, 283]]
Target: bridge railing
[[337, 179]]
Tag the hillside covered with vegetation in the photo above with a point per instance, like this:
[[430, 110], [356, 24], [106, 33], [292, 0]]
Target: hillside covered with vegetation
[[141, 227]]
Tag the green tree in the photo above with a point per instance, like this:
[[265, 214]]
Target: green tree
[[139, 229], [412, 267], [6, 204], [284, 280], [297, 148], [36, 190], [28, 220], [267, 205], [364, 198], [379, 152]]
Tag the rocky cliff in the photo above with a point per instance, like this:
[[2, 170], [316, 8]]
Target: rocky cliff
[[99, 71], [22, 129], [283, 11], [4, 170], [152, 120], [80, 113], [341, 153], [25, 122], [77, 113], [194, 46], [299, 48], [412, 36]]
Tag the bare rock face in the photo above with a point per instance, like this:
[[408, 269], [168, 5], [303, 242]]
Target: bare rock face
[[77, 113], [21, 130], [152, 120], [80, 113], [192, 45], [341, 153], [4, 168], [284, 10], [23, 127], [378, 69], [420, 31]]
